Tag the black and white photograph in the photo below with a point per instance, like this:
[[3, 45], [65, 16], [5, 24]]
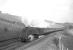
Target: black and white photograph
[[36, 24]]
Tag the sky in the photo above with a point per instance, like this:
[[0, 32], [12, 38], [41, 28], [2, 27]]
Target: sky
[[38, 10]]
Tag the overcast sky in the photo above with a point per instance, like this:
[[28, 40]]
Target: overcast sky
[[38, 10]]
